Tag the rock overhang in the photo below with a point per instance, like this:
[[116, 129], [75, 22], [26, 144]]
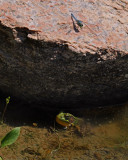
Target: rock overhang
[[48, 61]]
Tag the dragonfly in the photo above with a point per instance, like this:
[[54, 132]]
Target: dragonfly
[[81, 24]]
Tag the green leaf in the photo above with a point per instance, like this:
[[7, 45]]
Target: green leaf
[[7, 100], [10, 137], [1, 158]]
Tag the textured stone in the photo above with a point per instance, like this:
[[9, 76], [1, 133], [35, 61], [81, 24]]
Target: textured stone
[[45, 58]]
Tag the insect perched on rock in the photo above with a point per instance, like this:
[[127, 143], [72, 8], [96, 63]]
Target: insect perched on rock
[[79, 22]]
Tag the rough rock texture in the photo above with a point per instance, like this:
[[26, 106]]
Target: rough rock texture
[[46, 57]]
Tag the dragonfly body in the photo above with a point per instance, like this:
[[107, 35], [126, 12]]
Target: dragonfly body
[[79, 22]]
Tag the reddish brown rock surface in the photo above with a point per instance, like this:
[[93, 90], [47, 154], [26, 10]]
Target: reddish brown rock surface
[[45, 57]]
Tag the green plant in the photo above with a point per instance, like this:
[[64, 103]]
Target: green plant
[[10, 138], [5, 108]]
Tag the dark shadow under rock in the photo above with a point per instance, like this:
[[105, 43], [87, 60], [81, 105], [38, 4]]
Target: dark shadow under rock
[[47, 72]]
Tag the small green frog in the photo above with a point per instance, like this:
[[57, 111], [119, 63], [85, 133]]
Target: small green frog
[[67, 120]]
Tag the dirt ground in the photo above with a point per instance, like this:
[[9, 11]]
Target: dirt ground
[[103, 135]]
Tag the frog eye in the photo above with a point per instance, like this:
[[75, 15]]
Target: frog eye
[[62, 117]]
